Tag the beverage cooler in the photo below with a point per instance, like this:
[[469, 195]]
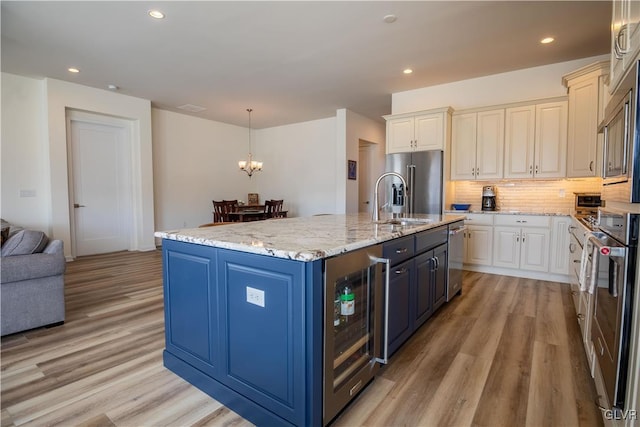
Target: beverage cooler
[[353, 325]]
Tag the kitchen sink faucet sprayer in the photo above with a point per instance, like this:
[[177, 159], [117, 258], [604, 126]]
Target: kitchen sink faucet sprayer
[[376, 207]]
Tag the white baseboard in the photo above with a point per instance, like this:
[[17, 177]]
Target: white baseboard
[[526, 274]]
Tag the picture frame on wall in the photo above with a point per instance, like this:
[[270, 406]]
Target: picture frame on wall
[[253, 199], [352, 172]]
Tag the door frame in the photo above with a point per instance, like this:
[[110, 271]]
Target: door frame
[[366, 152], [100, 119]]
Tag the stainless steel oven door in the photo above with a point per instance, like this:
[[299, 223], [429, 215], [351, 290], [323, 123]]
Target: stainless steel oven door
[[609, 317]]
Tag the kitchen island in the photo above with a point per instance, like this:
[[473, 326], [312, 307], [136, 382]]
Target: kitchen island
[[244, 307]]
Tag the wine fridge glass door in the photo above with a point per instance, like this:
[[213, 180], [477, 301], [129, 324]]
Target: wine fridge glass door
[[352, 327]]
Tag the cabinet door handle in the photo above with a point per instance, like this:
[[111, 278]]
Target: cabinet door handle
[[401, 270], [437, 260], [517, 238], [537, 169], [385, 352], [401, 250], [572, 247], [530, 169], [580, 316], [591, 166], [523, 236]]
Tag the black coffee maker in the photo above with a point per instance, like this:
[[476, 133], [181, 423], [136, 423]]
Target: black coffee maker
[[488, 198]]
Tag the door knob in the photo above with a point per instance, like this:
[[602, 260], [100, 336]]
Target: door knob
[[75, 205]]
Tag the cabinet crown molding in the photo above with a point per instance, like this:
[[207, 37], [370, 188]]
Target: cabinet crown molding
[[448, 110], [511, 105], [600, 67]]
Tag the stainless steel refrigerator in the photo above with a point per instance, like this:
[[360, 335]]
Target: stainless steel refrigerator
[[423, 172]]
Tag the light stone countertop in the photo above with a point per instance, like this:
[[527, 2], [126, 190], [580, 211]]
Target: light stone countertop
[[304, 238]]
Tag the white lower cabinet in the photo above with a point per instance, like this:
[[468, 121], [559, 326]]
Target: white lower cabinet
[[519, 245], [525, 248], [559, 245], [478, 239], [522, 242]]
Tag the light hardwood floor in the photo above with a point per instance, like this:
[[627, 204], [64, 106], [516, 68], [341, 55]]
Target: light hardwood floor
[[505, 353]]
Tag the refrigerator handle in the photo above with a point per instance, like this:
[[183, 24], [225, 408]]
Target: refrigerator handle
[[385, 356], [411, 178]]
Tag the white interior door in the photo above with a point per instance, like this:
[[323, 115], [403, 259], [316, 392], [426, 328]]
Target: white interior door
[[101, 187]]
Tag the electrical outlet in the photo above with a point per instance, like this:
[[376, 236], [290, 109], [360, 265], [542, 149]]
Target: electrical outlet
[[255, 296], [561, 193]]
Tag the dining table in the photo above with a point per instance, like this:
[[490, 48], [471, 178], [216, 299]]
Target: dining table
[[246, 215]]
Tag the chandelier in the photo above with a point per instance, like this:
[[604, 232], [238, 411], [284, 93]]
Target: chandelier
[[251, 165]]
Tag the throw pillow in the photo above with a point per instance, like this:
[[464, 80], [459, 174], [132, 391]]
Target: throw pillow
[[25, 242]]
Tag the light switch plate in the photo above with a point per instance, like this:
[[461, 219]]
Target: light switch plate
[[255, 296]]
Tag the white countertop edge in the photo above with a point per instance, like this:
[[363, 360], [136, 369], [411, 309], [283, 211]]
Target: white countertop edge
[[514, 212]]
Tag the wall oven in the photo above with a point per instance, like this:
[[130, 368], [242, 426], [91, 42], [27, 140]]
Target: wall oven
[[614, 257], [354, 325], [621, 168]]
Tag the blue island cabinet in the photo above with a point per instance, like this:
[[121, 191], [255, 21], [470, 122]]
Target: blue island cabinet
[[247, 330]]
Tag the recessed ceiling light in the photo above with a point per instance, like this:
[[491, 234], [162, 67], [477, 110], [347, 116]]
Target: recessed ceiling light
[[407, 71], [547, 40], [390, 19], [73, 70], [156, 14]]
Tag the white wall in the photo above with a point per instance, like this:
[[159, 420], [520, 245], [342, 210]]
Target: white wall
[[514, 86], [299, 166], [196, 161], [25, 154], [361, 128]]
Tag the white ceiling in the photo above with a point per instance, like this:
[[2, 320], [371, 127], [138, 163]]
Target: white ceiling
[[290, 61]]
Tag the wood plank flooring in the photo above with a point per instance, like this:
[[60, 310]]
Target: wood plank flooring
[[506, 353]]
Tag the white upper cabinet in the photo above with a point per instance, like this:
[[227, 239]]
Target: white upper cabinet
[[520, 132], [536, 140], [477, 145], [586, 105], [550, 159], [400, 135], [427, 130], [625, 38]]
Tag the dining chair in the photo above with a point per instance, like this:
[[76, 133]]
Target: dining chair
[[222, 208], [273, 209]]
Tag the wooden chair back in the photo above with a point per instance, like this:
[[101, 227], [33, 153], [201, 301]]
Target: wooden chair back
[[273, 208], [222, 208]]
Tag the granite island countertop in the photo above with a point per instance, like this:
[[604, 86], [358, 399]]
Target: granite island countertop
[[304, 238]]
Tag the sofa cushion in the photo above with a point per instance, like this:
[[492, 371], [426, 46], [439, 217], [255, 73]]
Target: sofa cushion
[[50, 262], [25, 242]]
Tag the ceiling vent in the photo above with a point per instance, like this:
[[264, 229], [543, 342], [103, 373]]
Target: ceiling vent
[[191, 108]]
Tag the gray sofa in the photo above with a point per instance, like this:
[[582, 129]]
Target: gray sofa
[[31, 282]]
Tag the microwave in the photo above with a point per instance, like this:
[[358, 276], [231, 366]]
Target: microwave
[[621, 150]]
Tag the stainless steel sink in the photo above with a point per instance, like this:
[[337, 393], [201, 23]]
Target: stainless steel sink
[[406, 221]]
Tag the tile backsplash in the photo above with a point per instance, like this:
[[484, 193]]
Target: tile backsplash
[[545, 196]]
